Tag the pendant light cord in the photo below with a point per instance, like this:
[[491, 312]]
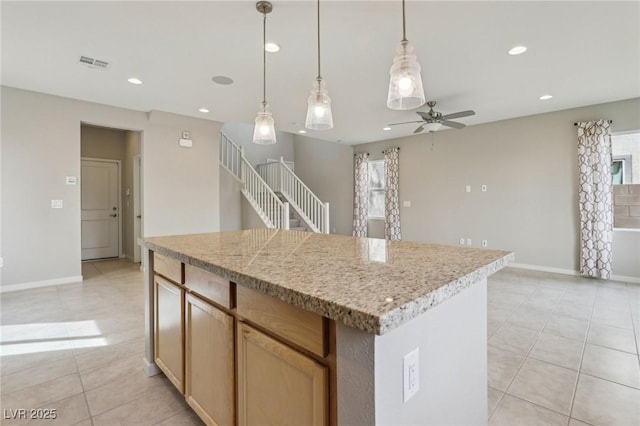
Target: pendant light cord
[[264, 59], [319, 76], [404, 25]]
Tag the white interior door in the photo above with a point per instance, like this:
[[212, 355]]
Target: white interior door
[[100, 209]]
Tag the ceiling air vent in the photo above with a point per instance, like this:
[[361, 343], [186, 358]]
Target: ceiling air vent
[[94, 63]]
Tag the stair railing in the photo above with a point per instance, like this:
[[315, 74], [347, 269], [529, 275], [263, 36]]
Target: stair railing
[[273, 212], [311, 209]]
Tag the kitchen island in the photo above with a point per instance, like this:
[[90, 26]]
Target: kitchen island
[[292, 327]]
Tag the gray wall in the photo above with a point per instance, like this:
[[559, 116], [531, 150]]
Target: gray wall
[[529, 165], [327, 169], [41, 145]]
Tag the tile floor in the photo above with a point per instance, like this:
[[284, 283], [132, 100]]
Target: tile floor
[[562, 350]]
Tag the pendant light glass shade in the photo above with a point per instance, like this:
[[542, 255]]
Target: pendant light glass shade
[[405, 83], [264, 132], [319, 116]]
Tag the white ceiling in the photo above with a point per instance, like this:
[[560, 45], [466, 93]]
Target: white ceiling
[[581, 52]]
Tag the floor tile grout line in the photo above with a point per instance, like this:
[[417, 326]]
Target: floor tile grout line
[[584, 348], [526, 356]]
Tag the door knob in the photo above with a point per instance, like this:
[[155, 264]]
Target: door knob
[[113, 215], [139, 216]]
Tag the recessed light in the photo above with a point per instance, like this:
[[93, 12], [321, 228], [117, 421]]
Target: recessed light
[[302, 131], [272, 47], [518, 50], [203, 110], [386, 128], [545, 97], [221, 79], [134, 80]]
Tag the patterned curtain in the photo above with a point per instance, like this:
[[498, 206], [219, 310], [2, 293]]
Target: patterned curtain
[[596, 195], [391, 198], [361, 195]]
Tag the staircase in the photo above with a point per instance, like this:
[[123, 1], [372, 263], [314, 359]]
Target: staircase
[[273, 189]]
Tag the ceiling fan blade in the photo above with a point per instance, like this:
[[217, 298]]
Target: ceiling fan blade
[[424, 115], [405, 122], [459, 114], [419, 129], [453, 124]]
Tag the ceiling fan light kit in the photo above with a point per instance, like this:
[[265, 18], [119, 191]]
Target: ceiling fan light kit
[[264, 132], [405, 82], [433, 120], [319, 116]]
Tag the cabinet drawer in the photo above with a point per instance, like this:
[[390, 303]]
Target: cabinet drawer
[[208, 285], [170, 268], [303, 328]]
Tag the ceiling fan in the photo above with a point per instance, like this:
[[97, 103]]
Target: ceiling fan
[[433, 119]]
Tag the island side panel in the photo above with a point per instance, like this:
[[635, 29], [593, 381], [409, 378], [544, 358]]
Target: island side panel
[[150, 366], [355, 376], [452, 342]]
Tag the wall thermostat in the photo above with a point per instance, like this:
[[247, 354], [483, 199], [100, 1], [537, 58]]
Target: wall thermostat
[[185, 135]]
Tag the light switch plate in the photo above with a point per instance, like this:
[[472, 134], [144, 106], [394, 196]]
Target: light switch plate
[[56, 204], [467, 188], [71, 180], [484, 188], [406, 203]]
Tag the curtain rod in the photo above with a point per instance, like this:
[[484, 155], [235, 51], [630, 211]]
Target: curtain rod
[[360, 153], [390, 149], [610, 122]]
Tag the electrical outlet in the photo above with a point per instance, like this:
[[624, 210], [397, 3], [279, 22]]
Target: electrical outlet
[[56, 204], [467, 188], [411, 374], [461, 241], [484, 188], [468, 241], [484, 243]]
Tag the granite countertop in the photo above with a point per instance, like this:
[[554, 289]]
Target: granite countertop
[[370, 284]]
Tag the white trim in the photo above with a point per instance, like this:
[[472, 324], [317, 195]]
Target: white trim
[[150, 368], [625, 279], [39, 284], [571, 272], [544, 269]]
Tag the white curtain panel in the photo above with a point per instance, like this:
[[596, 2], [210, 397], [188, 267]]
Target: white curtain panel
[[596, 198], [361, 195], [391, 197]]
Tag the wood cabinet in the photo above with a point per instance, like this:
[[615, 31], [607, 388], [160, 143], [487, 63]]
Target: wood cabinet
[[240, 357], [169, 330], [209, 362], [277, 384]]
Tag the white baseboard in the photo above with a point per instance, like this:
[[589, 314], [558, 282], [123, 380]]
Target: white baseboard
[[39, 284], [571, 272], [150, 368], [635, 280], [544, 269]]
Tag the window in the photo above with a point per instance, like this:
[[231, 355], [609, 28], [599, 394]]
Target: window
[[625, 150], [376, 189], [625, 170]]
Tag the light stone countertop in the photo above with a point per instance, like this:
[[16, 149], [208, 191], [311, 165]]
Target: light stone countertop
[[370, 284]]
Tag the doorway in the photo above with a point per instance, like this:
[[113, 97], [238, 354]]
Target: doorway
[[103, 189]]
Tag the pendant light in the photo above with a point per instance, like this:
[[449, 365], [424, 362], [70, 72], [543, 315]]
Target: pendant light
[[264, 132], [319, 115], [405, 83]]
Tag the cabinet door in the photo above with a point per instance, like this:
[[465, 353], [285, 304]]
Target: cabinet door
[[278, 385], [209, 369], [169, 330]]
